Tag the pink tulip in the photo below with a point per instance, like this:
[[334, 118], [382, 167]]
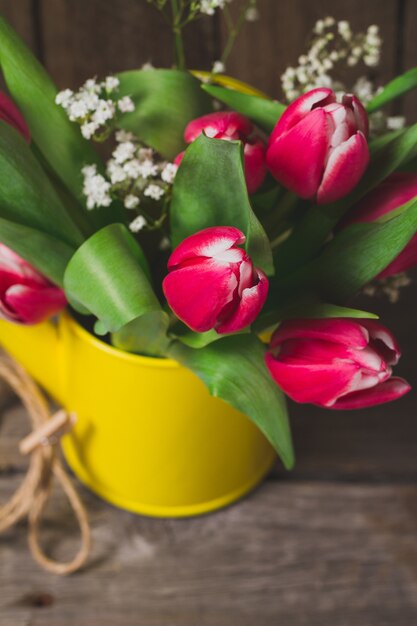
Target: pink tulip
[[395, 191], [318, 148], [232, 126], [26, 297], [10, 113], [212, 283], [336, 363]]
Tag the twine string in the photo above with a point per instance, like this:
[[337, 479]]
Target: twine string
[[31, 497]]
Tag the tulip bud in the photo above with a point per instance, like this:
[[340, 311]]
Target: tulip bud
[[232, 126], [26, 297], [10, 113], [212, 283], [336, 363], [393, 192], [318, 148]]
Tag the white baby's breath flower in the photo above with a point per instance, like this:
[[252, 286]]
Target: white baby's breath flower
[[111, 83], [124, 151], [126, 105], [91, 85], [105, 111], [96, 188], [88, 129], [148, 169], [252, 14], [77, 109], [395, 122], [63, 98], [154, 191], [169, 172], [164, 244], [131, 202], [116, 172], [147, 66], [132, 168], [138, 224], [218, 67], [123, 135]]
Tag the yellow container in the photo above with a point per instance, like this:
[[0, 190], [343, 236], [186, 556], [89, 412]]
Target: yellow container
[[149, 438]]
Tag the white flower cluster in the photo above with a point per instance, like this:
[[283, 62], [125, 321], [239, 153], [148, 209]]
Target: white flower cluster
[[135, 175], [389, 287], [379, 122], [93, 106], [208, 7], [332, 43]]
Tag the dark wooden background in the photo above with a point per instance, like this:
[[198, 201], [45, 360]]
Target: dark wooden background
[[331, 544]]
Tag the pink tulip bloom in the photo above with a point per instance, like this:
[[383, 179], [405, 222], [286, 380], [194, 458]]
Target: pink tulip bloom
[[318, 148], [26, 297], [10, 113], [212, 283], [232, 126], [336, 363], [393, 192]]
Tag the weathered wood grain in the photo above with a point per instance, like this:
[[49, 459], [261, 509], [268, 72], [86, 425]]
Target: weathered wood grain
[[301, 554], [409, 56], [83, 39], [22, 16], [266, 47]]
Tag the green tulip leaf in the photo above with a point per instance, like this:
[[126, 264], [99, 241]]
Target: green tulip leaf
[[233, 369], [166, 100], [59, 140], [47, 254], [394, 89], [263, 112], [361, 251], [146, 335], [210, 190], [108, 276], [26, 194]]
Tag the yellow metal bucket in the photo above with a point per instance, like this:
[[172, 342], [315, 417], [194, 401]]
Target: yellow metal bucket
[[148, 438]]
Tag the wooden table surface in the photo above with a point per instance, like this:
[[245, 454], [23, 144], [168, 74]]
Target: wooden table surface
[[334, 543]]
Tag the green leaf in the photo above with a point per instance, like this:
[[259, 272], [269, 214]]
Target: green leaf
[[265, 113], [233, 369], [47, 254], [394, 89], [26, 194], [58, 139], [306, 306], [210, 190], [166, 100], [107, 276], [360, 252], [147, 335]]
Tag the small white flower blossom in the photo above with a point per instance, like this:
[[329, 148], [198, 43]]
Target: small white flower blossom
[[169, 172], [154, 191], [208, 7], [96, 188], [218, 67], [63, 98], [138, 224], [147, 66], [123, 135], [116, 172], [124, 151], [88, 129], [131, 202], [252, 14], [126, 105], [111, 83], [395, 122], [164, 244], [132, 168], [148, 169]]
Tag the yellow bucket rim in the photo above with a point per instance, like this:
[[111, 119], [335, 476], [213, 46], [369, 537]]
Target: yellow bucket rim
[[97, 343]]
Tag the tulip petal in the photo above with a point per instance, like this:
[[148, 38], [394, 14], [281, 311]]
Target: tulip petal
[[11, 115], [344, 169], [337, 330], [249, 307], [198, 292], [228, 123], [206, 243], [33, 305], [297, 158], [387, 391], [381, 335], [255, 166], [296, 111], [320, 384]]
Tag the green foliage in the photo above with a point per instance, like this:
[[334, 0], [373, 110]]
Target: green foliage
[[166, 100], [394, 89], [210, 190], [263, 112]]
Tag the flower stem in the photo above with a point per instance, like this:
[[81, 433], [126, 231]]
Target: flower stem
[[176, 6]]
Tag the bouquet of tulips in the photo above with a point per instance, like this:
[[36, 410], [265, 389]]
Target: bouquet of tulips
[[226, 230]]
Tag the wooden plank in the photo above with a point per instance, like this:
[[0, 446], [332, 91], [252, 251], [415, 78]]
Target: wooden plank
[[409, 56], [20, 15], [301, 554], [84, 39], [266, 47]]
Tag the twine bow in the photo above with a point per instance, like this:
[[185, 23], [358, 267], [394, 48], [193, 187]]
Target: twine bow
[[32, 495]]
